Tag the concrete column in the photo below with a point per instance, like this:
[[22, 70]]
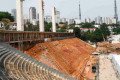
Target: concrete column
[[53, 19], [41, 16], [19, 10]]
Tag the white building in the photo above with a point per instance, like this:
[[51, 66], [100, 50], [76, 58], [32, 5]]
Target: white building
[[57, 16], [48, 19], [32, 15], [71, 21], [97, 26], [64, 20], [88, 20], [77, 21], [107, 20]]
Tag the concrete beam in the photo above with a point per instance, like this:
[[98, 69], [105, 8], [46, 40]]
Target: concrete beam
[[53, 19], [41, 15], [19, 10]]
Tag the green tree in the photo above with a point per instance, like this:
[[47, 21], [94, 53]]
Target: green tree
[[116, 30], [97, 36], [48, 26], [6, 15], [104, 31], [77, 32], [87, 25], [6, 23]]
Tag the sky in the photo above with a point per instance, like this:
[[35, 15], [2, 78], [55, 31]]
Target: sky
[[68, 8]]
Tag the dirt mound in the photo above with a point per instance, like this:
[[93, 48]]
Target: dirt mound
[[69, 56]]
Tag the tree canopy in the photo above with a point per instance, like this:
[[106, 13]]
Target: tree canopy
[[6, 15], [87, 25], [100, 34], [77, 32]]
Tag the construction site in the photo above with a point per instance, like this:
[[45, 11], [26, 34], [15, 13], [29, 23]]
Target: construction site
[[60, 59]]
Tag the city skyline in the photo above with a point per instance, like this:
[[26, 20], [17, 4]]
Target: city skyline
[[104, 8]]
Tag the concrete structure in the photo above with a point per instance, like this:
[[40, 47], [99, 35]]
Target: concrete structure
[[20, 23], [106, 69], [19, 10], [53, 19], [41, 15], [32, 15], [116, 63], [15, 65]]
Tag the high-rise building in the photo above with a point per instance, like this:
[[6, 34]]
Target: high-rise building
[[64, 20], [48, 19], [32, 14], [57, 16], [71, 21], [13, 13]]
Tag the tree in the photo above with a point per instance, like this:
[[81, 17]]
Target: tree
[[97, 36], [6, 23], [61, 30], [104, 31], [77, 32], [116, 30], [87, 25], [48, 26], [6, 15]]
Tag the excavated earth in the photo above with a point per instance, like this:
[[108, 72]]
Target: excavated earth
[[70, 56]]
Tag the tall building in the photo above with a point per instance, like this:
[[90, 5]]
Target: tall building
[[48, 19], [115, 9], [32, 14], [13, 13], [64, 20], [57, 16]]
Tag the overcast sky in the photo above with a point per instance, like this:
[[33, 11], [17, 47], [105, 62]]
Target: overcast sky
[[69, 8]]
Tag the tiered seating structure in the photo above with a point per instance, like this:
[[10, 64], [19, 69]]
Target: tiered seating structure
[[15, 65]]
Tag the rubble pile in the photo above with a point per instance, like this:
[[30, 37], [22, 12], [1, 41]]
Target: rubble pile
[[70, 56], [106, 47]]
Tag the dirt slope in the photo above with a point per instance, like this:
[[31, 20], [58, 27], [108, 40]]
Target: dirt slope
[[69, 56]]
